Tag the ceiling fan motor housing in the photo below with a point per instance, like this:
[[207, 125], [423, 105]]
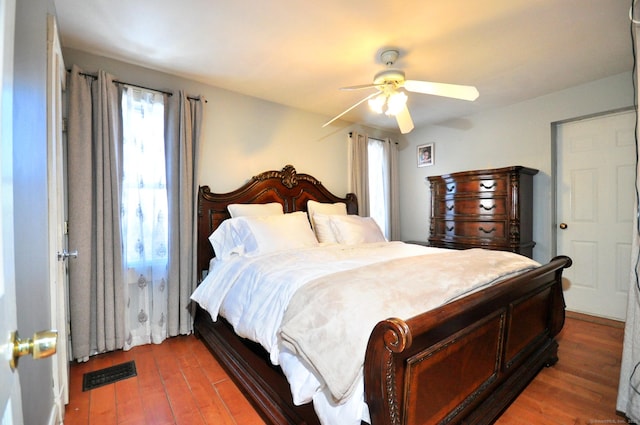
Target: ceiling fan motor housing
[[389, 77]]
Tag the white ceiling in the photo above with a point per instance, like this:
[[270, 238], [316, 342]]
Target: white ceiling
[[299, 53]]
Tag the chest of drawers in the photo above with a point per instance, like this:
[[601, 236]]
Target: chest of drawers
[[483, 208]]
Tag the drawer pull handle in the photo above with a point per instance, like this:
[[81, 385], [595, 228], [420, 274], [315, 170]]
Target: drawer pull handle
[[493, 229], [450, 229], [449, 207], [451, 188], [484, 186], [488, 208]]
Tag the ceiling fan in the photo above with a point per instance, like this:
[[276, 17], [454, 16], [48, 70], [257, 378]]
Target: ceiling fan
[[391, 86]]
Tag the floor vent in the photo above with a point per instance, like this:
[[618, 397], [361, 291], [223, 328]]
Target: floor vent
[[108, 375]]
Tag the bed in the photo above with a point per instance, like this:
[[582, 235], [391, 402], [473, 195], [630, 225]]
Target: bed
[[461, 362]]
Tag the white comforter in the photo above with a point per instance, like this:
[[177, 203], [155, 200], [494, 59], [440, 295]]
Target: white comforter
[[253, 296]]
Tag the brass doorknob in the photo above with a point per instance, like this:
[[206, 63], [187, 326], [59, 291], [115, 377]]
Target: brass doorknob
[[563, 226], [43, 344]]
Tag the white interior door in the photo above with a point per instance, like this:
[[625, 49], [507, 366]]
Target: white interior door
[[10, 402], [595, 196], [56, 75]]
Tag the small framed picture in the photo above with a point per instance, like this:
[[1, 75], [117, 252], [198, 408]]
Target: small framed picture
[[425, 155]]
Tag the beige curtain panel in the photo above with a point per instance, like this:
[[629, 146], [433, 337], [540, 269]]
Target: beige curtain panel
[[96, 288], [359, 175], [182, 137]]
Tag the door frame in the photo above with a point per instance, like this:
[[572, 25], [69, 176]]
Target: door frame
[[56, 175], [554, 168], [555, 218]]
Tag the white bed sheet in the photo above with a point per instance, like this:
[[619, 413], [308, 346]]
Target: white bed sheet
[[252, 296]]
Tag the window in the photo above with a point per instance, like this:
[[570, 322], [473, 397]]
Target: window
[[144, 193], [379, 184], [144, 216]]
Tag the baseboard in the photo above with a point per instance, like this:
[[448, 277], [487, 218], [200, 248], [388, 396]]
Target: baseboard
[[594, 319]]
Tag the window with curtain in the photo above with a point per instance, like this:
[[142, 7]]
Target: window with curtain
[[378, 187], [132, 211], [144, 216], [373, 177]]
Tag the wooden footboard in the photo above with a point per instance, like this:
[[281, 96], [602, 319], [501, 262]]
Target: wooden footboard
[[466, 361]]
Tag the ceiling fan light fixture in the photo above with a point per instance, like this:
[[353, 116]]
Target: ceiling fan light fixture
[[389, 102], [377, 103], [396, 103]]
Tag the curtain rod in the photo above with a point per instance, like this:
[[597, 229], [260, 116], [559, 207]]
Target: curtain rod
[[351, 135], [168, 93]]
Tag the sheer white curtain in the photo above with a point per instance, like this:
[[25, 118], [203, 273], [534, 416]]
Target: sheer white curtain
[[144, 217], [629, 386], [378, 182]]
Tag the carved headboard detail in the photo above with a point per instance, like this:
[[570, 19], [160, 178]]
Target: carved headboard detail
[[286, 186]]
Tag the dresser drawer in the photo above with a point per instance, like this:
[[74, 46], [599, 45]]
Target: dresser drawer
[[471, 207], [475, 185], [471, 229]]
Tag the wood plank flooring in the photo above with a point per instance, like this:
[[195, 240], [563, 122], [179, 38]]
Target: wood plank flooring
[[177, 382], [180, 382]]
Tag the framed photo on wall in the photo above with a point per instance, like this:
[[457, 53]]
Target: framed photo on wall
[[425, 154]]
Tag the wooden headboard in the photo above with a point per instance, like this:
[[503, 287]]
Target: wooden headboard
[[287, 187]]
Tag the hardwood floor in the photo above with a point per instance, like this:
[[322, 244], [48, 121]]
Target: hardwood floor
[[582, 387], [179, 382]]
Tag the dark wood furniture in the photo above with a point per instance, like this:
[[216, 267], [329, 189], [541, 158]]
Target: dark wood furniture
[[463, 362], [483, 208]]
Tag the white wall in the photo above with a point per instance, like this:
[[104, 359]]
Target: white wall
[[243, 135], [519, 134]]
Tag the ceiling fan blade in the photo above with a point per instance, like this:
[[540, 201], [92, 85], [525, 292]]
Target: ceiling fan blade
[[405, 123], [341, 114], [441, 89], [361, 86]]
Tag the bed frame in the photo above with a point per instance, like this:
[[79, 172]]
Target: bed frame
[[464, 362]]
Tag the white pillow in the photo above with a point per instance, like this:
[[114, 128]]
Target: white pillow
[[315, 207], [323, 230], [353, 229], [252, 210], [232, 237], [260, 235], [281, 232]]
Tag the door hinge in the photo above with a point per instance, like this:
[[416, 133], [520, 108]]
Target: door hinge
[[66, 227], [64, 125]]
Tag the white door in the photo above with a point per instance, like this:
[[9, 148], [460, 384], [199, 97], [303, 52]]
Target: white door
[[595, 196], [56, 76], [10, 403]]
